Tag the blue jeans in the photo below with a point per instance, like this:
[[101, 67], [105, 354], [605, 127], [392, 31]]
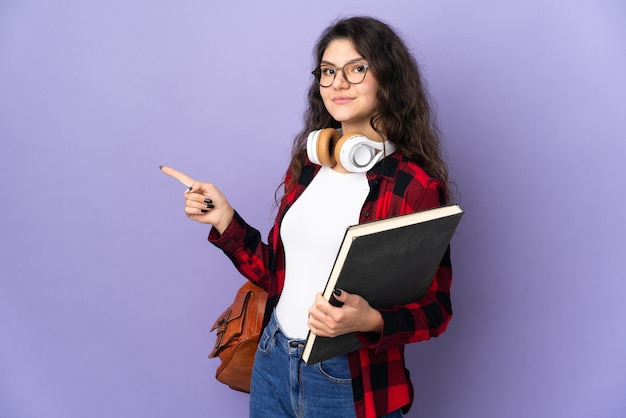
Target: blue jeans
[[284, 386]]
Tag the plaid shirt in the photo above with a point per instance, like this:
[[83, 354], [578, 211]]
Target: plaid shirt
[[380, 381]]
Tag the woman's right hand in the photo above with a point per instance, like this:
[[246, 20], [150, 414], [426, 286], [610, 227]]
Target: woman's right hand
[[204, 202]]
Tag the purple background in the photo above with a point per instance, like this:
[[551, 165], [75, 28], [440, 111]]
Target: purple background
[[108, 291]]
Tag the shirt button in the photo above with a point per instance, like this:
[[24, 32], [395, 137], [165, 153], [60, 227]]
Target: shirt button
[[366, 214]]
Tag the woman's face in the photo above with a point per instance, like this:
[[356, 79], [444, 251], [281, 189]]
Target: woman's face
[[351, 104]]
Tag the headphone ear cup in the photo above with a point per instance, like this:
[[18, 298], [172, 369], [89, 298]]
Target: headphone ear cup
[[355, 152], [340, 143], [325, 145]]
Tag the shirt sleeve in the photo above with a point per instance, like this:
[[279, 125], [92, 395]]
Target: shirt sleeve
[[244, 247]]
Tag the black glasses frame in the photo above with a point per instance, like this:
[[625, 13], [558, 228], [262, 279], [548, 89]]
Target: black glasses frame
[[318, 74]]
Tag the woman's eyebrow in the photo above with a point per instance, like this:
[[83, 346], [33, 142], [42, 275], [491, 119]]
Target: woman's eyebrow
[[324, 62]]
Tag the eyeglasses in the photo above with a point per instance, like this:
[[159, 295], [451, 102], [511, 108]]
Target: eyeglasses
[[353, 73]]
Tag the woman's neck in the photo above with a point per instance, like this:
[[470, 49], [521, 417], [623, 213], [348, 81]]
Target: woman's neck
[[367, 130]]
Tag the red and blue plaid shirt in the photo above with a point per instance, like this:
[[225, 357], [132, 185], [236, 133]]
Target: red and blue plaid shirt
[[380, 380]]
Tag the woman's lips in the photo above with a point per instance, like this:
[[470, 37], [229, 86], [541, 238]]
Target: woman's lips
[[342, 99]]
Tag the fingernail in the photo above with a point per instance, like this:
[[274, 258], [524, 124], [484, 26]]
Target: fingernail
[[189, 189], [207, 200], [203, 210], [337, 292], [160, 167], [210, 206]]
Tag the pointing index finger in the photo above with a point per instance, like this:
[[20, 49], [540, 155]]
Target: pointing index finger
[[182, 177]]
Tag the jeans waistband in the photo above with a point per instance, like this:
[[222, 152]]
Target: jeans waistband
[[274, 331]]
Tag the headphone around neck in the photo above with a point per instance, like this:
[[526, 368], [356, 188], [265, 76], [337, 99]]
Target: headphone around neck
[[355, 152]]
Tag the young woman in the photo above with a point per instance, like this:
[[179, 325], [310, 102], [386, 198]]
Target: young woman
[[366, 82]]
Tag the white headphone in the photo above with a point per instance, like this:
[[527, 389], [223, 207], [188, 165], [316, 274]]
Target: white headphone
[[355, 152]]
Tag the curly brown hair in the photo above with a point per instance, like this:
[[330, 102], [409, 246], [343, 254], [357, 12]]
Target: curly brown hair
[[404, 116]]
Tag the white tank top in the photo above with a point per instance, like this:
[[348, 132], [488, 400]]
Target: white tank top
[[312, 231]]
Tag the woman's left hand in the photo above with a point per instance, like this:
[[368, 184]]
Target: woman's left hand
[[356, 314]]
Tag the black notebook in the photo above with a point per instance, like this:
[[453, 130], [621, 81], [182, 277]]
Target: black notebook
[[388, 262]]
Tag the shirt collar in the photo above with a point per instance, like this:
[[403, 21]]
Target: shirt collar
[[387, 167]]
